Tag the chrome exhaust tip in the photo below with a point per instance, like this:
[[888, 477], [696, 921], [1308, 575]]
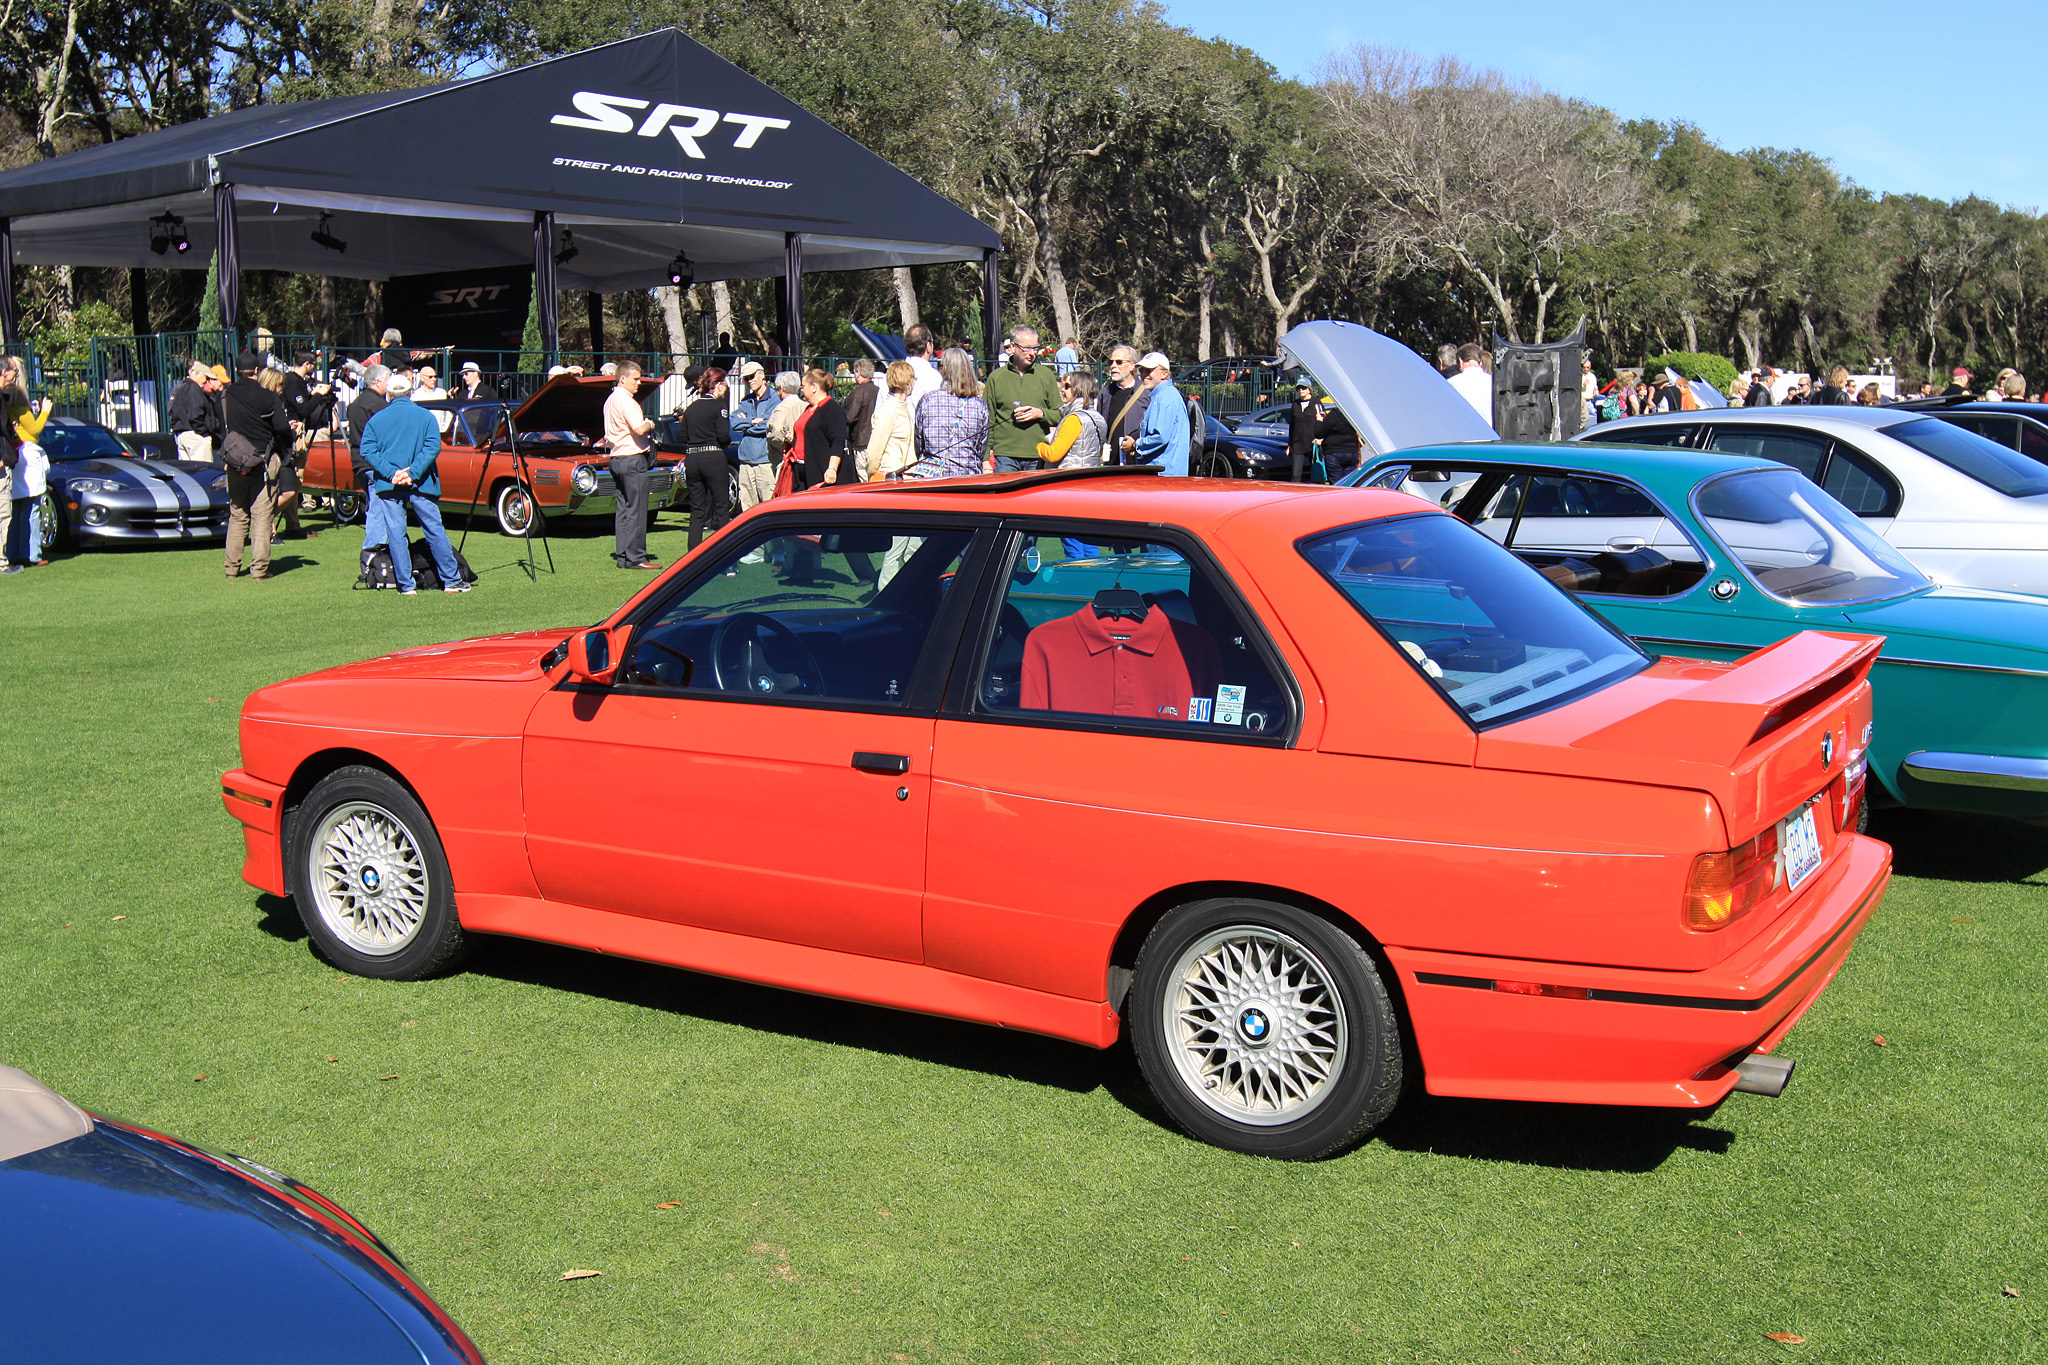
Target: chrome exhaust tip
[[1759, 1074]]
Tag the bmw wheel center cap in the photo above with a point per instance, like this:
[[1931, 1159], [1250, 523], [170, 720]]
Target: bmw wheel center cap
[[1254, 1025], [372, 878]]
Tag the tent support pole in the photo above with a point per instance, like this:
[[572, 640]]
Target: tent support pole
[[593, 303], [991, 308], [10, 322], [227, 245], [544, 286], [138, 301], [793, 296]]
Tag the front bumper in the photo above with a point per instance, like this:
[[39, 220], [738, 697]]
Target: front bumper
[[1625, 1036], [259, 806], [124, 519]]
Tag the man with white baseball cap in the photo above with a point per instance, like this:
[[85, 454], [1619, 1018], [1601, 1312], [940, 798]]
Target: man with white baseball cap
[[1165, 436]]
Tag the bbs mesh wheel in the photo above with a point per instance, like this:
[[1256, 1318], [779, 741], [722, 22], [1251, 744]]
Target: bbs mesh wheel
[[1264, 1029], [371, 880]]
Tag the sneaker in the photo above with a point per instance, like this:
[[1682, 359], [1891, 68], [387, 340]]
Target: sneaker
[[755, 558], [408, 592], [458, 587], [10, 568]]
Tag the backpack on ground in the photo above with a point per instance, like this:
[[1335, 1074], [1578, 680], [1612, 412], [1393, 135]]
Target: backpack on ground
[[378, 571], [427, 576]]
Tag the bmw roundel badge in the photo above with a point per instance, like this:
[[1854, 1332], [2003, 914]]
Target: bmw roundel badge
[[1827, 748], [1724, 590], [1254, 1025], [371, 879]]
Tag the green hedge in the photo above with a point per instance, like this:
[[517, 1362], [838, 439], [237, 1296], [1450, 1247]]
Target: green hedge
[[1716, 370]]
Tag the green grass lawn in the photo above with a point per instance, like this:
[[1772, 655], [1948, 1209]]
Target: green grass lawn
[[856, 1185]]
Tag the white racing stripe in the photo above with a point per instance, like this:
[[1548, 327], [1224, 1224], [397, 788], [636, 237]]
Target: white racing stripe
[[196, 496], [166, 499]]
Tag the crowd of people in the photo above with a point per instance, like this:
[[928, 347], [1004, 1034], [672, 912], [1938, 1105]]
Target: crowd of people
[[928, 416]]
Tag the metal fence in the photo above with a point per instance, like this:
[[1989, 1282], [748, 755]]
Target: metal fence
[[127, 381]]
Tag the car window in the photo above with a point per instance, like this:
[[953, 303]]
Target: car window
[[1798, 543], [80, 443], [1589, 534], [1485, 629], [2034, 441], [1674, 434], [1995, 466], [839, 613], [1992, 426], [1134, 633], [1860, 484], [1798, 449]]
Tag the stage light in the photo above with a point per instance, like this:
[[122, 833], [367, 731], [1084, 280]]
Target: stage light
[[322, 237], [681, 273], [568, 252], [167, 230]]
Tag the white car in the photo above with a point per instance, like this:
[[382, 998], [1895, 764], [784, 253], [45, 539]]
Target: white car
[[1965, 510]]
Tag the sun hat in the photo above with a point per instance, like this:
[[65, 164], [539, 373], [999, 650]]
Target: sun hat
[[1154, 360]]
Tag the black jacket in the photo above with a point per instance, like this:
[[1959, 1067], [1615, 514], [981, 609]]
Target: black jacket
[[860, 414], [1109, 402], [1304, 425], [254, 411], [367, 405], [304, 404], [193, 409], [484, 394], [824, 437]]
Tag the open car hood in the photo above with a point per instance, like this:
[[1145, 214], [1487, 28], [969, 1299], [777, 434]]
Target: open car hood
[[572, 403], [1392, 396]]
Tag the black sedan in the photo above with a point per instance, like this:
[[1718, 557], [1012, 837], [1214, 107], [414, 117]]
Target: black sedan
[[101, 491], [120, 1244]]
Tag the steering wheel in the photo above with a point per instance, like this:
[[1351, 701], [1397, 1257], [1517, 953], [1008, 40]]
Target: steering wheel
[[739, 658]]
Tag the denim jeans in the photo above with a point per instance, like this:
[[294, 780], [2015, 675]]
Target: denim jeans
[[391, 508]]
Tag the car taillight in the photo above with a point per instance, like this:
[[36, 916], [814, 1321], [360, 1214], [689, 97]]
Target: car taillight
[[1845, 793], [1726, 886]]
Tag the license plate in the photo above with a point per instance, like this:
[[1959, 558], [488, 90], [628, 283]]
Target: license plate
[[1801, 842]]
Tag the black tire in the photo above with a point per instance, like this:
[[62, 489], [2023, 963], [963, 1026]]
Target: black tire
[[517, 510], [371, 880], [59, 534], [1340, 1079], [1217, 462]]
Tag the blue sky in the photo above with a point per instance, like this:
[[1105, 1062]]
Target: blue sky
[[1902, 98]]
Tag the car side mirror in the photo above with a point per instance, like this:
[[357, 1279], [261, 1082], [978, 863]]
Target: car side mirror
[[590, 657]]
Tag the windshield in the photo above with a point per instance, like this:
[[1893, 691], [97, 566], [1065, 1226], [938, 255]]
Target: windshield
[[1984, 460], [1800, 544], [1485, 628], [81, 443]]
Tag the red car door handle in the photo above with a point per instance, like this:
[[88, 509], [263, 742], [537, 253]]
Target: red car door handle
[[893, 764]]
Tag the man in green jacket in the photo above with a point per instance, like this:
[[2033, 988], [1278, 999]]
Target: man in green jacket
[[1023, 403]]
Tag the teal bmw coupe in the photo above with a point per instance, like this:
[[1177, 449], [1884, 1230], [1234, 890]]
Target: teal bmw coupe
[[1707, 555]]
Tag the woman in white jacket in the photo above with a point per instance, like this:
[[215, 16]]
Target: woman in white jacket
[[31, 479], [891, 448]]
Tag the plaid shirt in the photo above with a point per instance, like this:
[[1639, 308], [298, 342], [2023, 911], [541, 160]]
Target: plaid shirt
[[952, 436]]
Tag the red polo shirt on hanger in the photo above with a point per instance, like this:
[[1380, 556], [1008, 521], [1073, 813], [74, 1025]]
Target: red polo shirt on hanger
[[1108, 666]]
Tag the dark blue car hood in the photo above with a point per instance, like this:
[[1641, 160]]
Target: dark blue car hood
[[121, 1245]]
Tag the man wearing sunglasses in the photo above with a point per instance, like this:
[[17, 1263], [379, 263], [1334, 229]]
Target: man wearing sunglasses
[[1023, 400], [1122, 402]]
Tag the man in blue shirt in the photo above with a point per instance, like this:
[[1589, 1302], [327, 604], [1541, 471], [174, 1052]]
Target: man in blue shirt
[[401, 444], [750, 435], [1166, 434]]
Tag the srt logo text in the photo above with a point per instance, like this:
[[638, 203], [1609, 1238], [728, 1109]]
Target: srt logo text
[[472, 296], [609, 114]]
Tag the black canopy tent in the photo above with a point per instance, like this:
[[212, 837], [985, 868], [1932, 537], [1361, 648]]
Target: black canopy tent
[[648, 149]]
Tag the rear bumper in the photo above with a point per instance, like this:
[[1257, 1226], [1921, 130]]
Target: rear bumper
[[1979, 770], [259, 806], [1637, 1037]]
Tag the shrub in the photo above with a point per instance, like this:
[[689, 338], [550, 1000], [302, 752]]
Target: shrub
[[1716, 370]]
